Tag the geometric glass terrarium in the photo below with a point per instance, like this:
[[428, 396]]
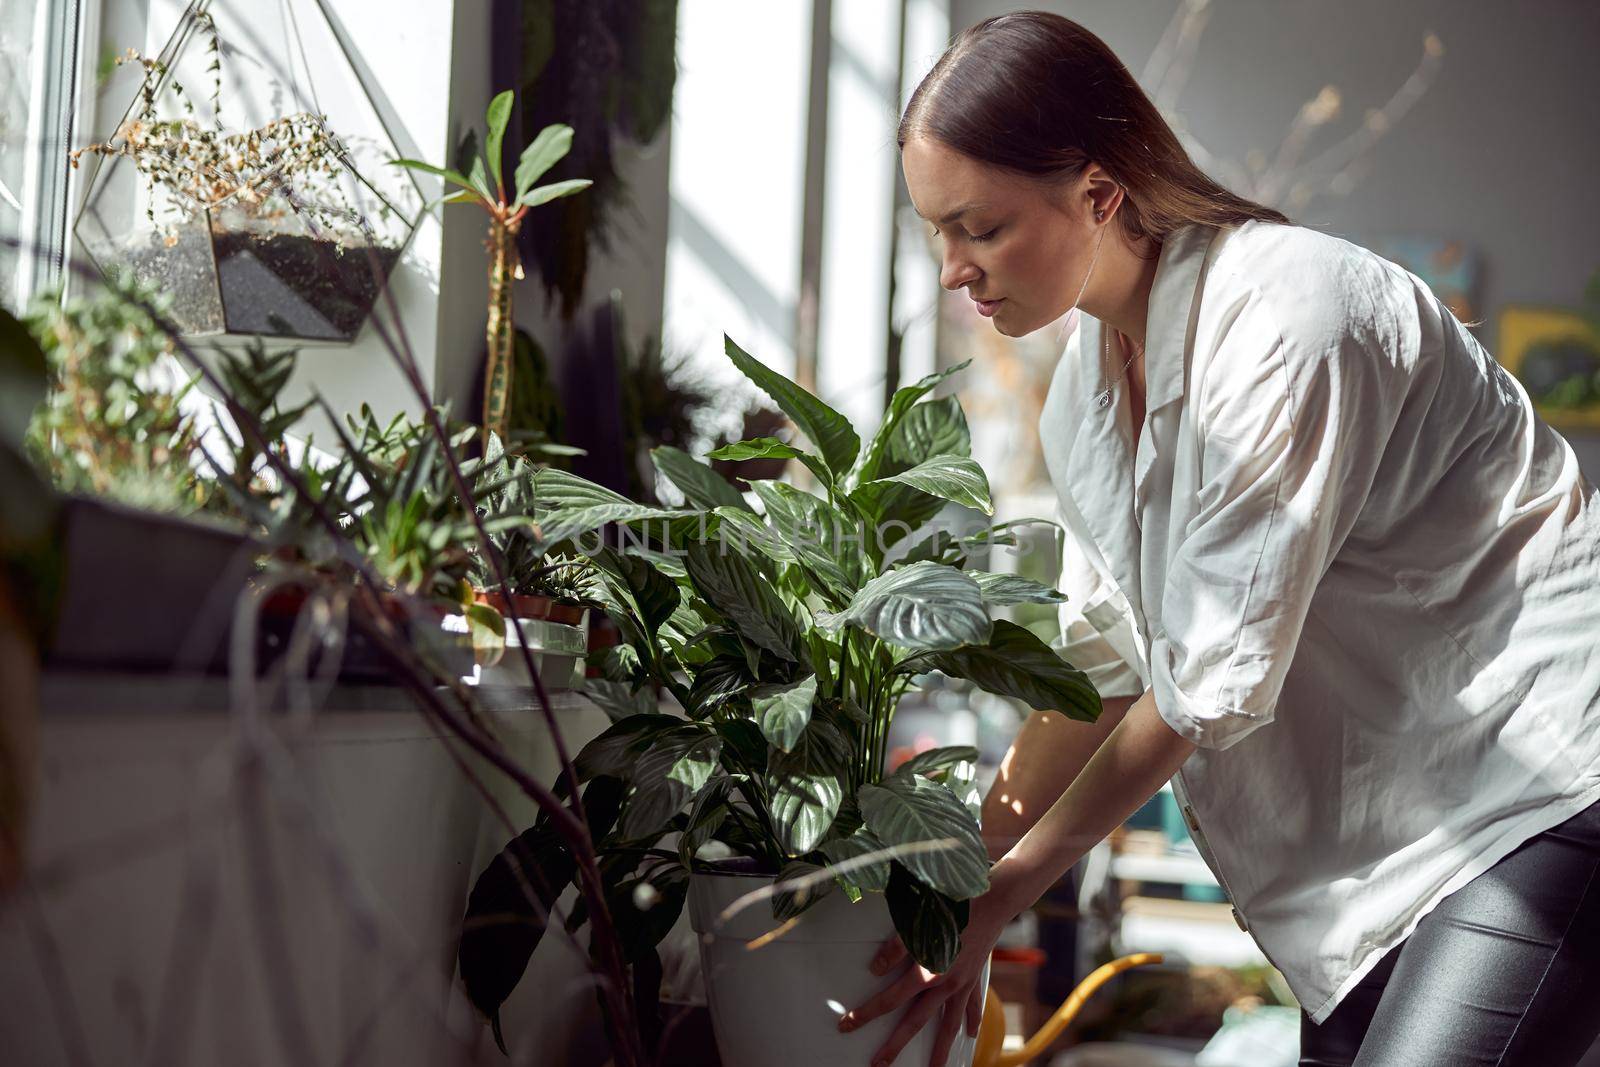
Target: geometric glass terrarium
[[249, 177]]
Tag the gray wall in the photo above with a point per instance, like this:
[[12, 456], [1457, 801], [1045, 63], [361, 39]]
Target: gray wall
[[1500, 153]]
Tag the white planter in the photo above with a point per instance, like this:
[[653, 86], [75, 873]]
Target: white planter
[[779, 1005], [557, 650]]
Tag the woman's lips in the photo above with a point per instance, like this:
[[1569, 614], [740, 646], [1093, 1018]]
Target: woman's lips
[[986, 308]]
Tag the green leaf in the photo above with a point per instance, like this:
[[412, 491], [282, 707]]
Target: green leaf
[[547, 149], [498, 115], [928, 922], [715, 683], [755, 448], [827, 430], [804, 784], [709, 811], [743, 742], [819, 538], [505, 913], [732, 586], [909, 809], [1015, 663], [667, 776], [923, 606], [619, 700], [899, 405], [645, 908], [543, 194], [566, 523], [480, 181], [938, 759], [615, 751], [556, 488], [741, 529], [454, 177], [954, 478], [772, 448], [651, 595], [790, 902], [873, 876], [937, 428], [1000, 589], [700, 485], [782, 711]]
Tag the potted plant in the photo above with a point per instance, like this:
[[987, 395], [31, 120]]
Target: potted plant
[[147, 555], [506, 208], [786, 630], [251, 213]]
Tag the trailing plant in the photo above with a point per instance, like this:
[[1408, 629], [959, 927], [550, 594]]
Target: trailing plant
[[787, 628], [506, 207], [289, 165]]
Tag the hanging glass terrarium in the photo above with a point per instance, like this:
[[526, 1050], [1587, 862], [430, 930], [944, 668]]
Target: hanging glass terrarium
[[249, 177]]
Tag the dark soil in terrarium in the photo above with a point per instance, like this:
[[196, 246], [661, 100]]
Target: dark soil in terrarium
[[289, 285]]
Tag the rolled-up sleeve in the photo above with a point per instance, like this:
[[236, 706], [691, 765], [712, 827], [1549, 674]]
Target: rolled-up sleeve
[[1086, 617], [1290, 440]]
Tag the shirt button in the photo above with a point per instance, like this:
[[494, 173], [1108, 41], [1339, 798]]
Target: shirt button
[[1240, 920], [1190, 818]]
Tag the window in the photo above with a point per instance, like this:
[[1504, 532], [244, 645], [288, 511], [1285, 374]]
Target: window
[[38, 60]]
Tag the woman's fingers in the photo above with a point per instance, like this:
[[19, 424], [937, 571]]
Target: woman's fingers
[[975, 1010], [887, 999], [890, 953], [915, 1018], [949, 1027]]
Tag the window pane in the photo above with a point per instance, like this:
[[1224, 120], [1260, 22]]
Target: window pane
[[37, 60]]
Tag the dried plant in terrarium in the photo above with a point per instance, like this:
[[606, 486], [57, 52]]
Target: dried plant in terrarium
[[238, 193]]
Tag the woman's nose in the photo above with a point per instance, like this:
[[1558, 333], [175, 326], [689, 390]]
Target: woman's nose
[[957, 272]]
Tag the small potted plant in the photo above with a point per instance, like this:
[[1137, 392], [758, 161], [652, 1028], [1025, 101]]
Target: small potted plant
[[786, 631], [547, 594], [150, 564]]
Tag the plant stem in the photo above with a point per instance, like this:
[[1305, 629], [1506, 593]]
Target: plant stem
[[500, 335]]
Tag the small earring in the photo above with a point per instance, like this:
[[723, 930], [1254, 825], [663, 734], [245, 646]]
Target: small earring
[[1099, 216]]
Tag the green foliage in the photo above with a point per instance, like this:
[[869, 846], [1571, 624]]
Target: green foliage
[[112, 421], [788, 631], [547, 148]]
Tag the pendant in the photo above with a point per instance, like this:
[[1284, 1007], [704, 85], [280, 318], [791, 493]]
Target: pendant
[[1103, 399]]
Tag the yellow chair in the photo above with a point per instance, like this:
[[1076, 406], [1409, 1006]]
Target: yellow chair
[[992, 1028]]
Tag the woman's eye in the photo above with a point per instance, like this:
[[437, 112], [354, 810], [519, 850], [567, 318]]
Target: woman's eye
[[980, 237]]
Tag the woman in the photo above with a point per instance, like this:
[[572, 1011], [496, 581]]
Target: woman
[[1328, 566]]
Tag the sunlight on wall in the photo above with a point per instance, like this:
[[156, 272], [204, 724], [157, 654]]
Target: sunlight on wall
[[738, 143]]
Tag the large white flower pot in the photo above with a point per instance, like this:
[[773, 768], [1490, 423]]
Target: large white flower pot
[[779, 1005]]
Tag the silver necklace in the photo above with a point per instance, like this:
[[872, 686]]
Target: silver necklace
[[1102, 399]]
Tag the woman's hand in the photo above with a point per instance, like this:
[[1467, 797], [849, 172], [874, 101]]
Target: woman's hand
[[956, 993]]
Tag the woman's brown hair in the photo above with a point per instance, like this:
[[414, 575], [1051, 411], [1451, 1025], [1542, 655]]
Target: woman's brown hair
[[1042, 97]]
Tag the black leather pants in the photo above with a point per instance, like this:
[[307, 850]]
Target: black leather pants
[[1504, 972]]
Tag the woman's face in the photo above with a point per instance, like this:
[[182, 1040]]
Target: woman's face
[[1013, 241]]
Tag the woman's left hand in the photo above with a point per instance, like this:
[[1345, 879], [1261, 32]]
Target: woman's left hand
[[956, 991]]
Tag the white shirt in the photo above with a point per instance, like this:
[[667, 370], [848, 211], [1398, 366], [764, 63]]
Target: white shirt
[[1357, 570]]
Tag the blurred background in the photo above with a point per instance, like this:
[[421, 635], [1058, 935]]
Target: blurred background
[[751, 188]]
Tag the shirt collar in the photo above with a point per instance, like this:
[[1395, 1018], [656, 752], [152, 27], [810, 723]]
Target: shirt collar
[[1098, 483], [1174, 300]]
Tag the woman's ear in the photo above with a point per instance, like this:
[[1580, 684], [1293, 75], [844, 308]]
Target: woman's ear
[[1104, 193]]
